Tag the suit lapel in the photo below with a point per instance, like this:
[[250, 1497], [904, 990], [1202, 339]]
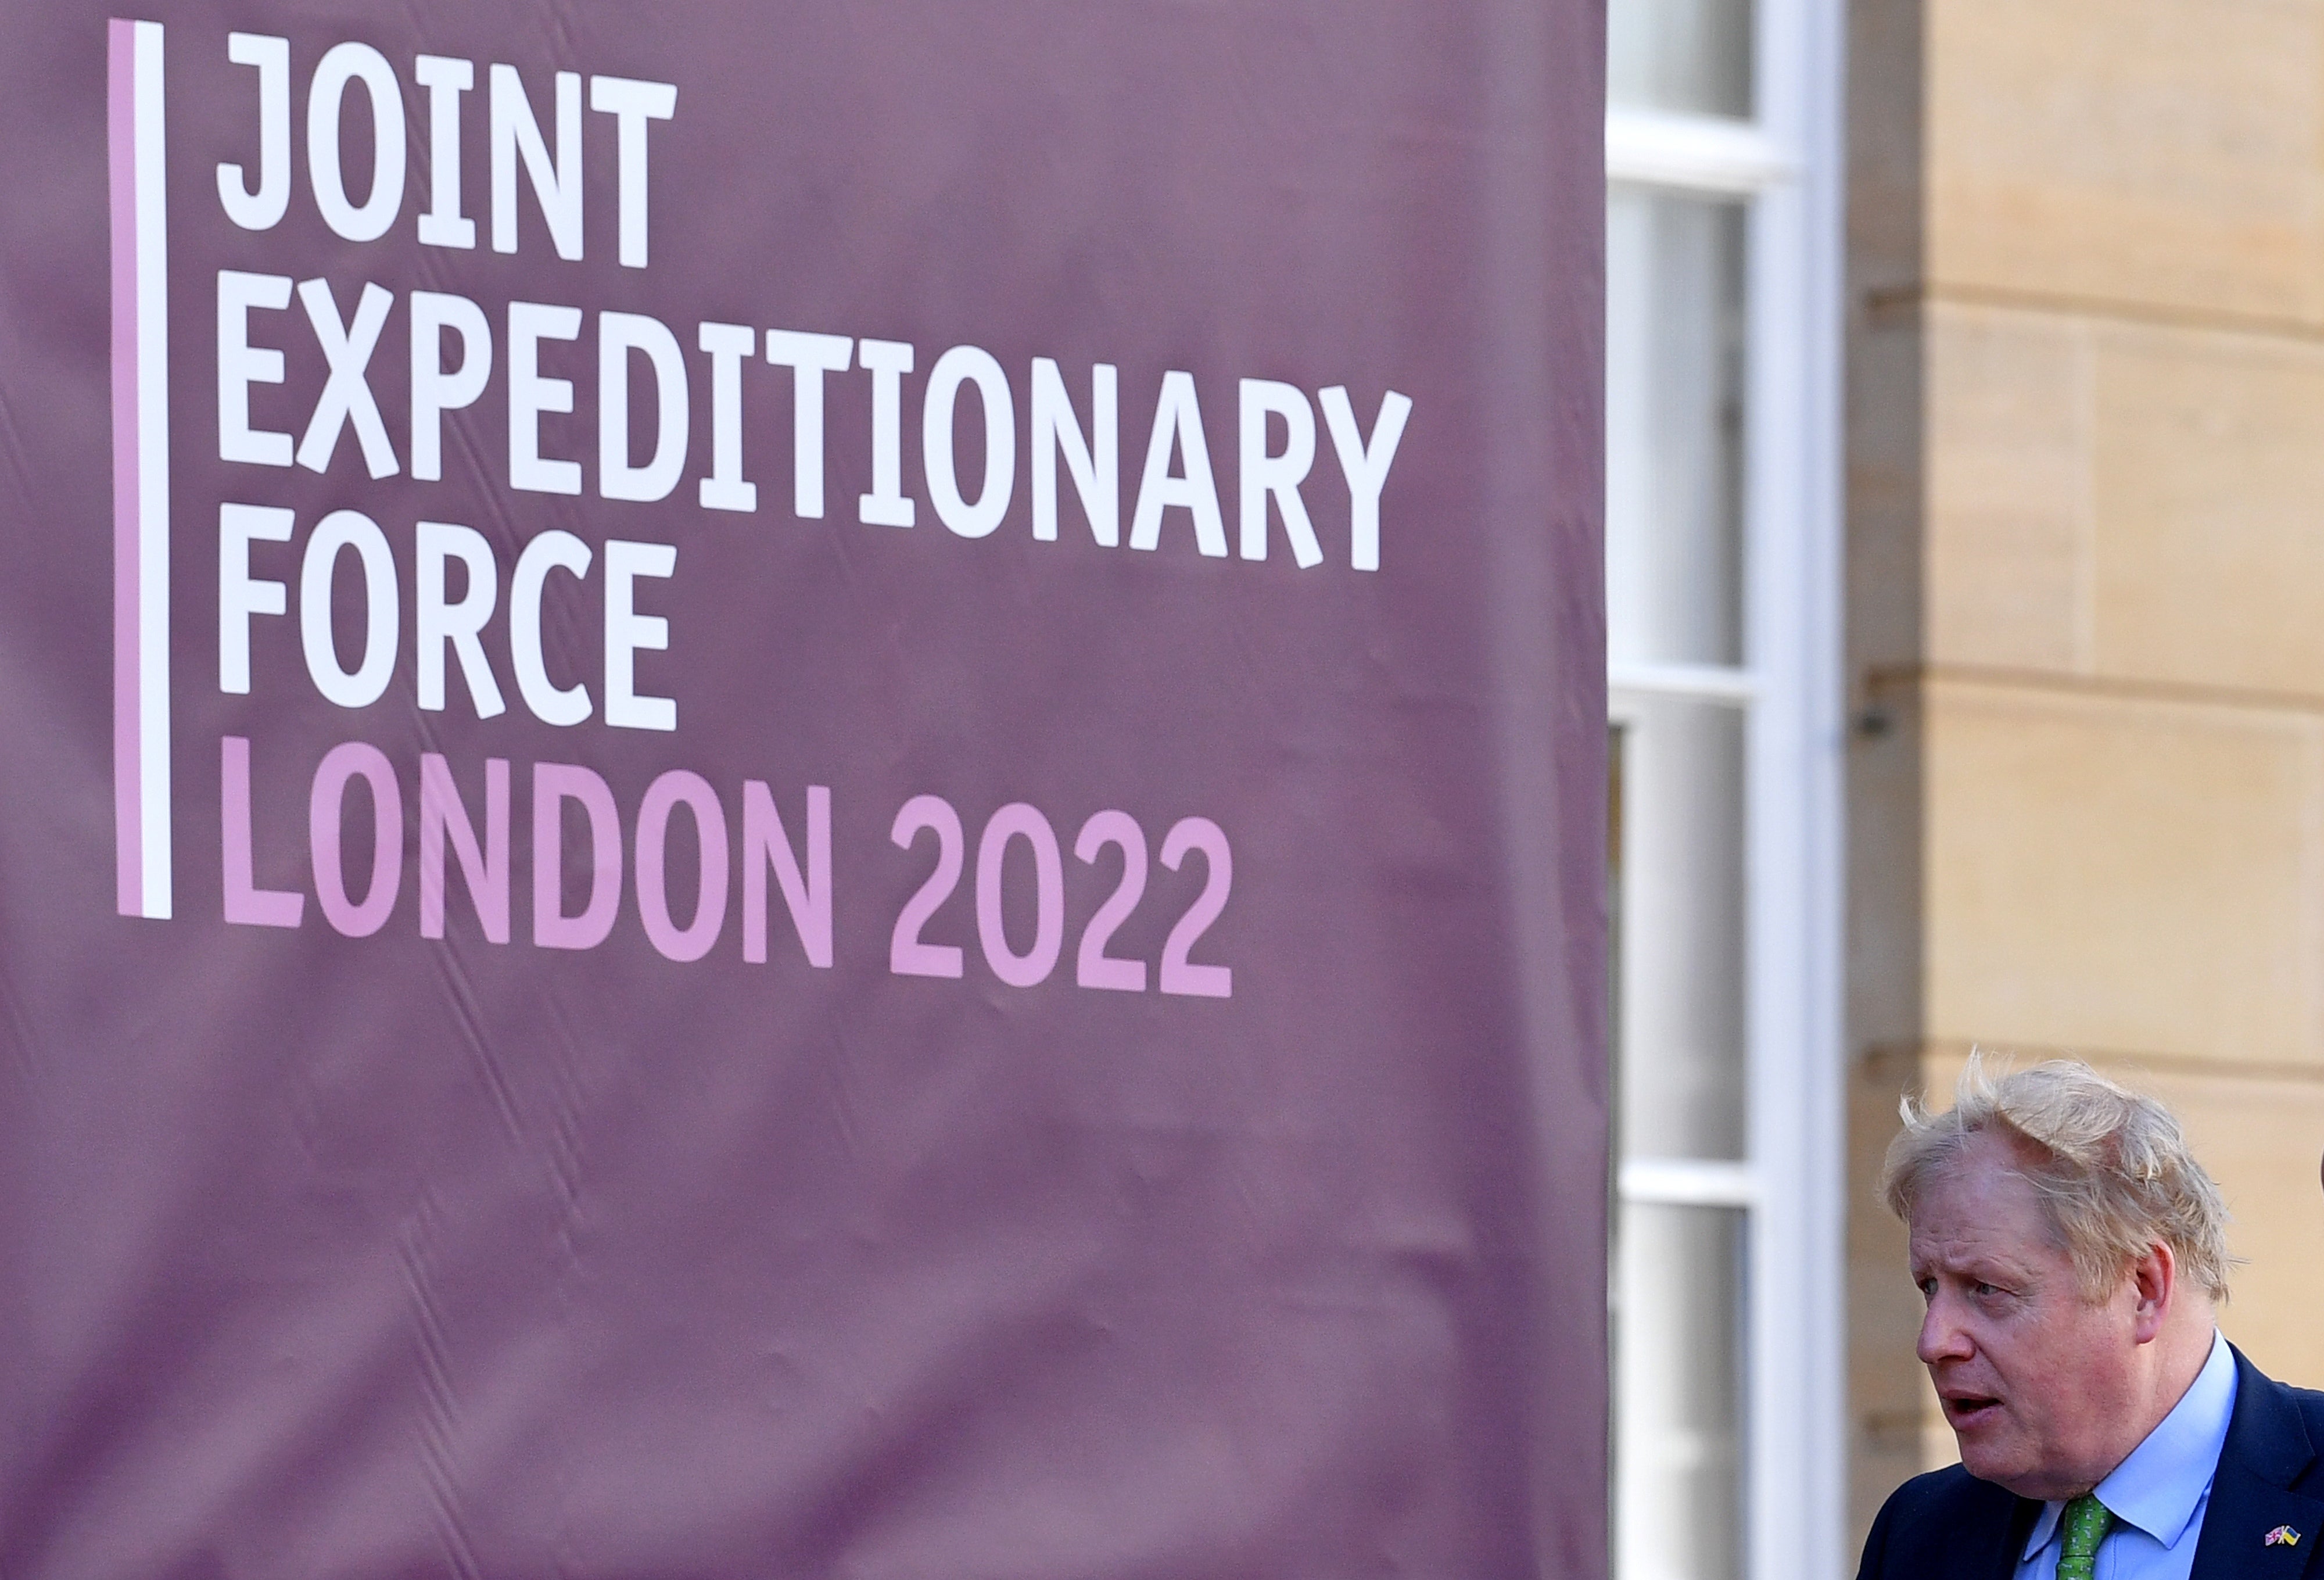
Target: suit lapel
[[2267, 1448], [2236, 1528]]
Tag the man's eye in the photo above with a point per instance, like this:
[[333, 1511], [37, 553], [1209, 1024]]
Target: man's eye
[[1928, 1287], [1985, 1291]]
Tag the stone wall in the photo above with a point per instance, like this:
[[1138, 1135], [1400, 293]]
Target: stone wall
[[2086, 499]]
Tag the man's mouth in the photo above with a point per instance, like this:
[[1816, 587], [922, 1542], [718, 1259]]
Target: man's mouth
[[1969, 1410]]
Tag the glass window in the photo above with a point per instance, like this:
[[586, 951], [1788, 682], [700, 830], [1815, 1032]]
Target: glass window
[[1675, 444], [1722, 317], [1725, 682], [1673, 427], [1686, 55], [1679, 1001], [1678, 1296]]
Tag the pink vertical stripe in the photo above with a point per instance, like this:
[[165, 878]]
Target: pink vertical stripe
[[121, 85]]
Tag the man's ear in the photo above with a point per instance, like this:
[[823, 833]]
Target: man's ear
[[2154, 1283]]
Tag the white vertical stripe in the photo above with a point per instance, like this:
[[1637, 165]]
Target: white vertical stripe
[[1797, 927], [152, 472]]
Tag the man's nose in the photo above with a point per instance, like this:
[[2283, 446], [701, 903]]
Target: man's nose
[[1942, 1335]]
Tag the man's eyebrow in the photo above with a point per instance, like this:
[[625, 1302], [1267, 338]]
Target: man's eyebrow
[[1974, 1264]]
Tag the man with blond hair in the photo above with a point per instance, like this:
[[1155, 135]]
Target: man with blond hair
[[2073, 1254]]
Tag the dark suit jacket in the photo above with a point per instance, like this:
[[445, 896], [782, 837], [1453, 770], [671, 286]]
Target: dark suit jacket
[[1947, 1525]]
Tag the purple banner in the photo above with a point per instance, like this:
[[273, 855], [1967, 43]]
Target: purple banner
[[802, 790]]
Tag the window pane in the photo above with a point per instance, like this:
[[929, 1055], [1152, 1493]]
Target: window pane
[[1680, 55], [1679, 911], [1673, 427], [1678, 1308]]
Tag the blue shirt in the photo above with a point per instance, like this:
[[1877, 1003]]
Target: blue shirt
[[2159, 1493]]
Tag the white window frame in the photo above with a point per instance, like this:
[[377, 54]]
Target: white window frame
[[1792, 1183]]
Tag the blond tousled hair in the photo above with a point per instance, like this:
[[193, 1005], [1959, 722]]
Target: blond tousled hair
[[2112, 1168]]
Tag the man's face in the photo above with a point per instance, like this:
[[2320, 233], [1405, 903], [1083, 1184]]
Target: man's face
[[2038, 1384]]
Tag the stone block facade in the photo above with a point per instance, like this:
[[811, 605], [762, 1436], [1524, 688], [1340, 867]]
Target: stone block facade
[[2086, 600]]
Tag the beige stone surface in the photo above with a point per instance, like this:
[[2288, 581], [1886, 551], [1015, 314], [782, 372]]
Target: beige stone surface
[[2010, 526], [1892, 1413], [2209, 485], [1887, 492], [1888, 165], [2123, 873], [2086, 598], [2159, 151], [2261, 1138], [1885, 906], [2141, 502]]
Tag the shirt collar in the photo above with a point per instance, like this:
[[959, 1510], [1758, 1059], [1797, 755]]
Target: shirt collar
[[2158, 1487]]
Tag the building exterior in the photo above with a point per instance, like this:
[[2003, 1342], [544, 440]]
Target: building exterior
[[2085, 603], [1966, 574]]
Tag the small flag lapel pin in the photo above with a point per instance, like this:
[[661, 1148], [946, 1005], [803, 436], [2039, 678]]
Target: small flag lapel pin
[[2282, 1535]]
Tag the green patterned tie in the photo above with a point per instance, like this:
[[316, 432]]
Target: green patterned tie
[[2086, 1523]]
